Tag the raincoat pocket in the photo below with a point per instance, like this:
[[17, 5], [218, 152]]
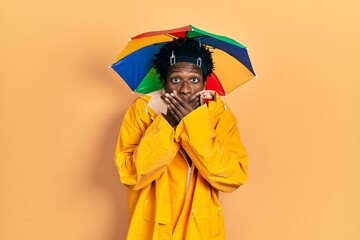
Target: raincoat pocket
[[208, 222], [157, 211]]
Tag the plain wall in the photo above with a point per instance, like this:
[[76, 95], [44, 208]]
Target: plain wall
[[61, 110]]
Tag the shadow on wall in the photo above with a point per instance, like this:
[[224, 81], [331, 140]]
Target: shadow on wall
[[106, 179]]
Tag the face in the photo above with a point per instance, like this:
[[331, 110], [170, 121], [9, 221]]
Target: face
[[184, 77]]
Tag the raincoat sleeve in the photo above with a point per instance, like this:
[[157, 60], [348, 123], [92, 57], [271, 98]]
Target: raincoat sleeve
[[212, 140], [144, 147]]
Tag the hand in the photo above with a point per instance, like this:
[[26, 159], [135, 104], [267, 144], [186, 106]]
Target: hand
[[207, 95], [178, 108]]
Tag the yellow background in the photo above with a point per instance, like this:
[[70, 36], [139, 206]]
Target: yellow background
[[61, 109]]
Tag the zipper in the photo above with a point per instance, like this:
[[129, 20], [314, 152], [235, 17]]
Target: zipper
[[188, 177], [184, 155]]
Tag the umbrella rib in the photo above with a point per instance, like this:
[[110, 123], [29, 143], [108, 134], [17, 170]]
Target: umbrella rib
[[170, 35]]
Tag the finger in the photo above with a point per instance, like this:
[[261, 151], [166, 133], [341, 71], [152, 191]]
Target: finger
[[177, 114], [202, 97], [180, 104], [173, 114], [207, 95], [180, 107], [180, 101], [173, 107], [196, 104], [195, 99]]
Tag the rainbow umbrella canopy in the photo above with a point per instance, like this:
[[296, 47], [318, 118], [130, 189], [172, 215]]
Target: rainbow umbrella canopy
[[231, 59]]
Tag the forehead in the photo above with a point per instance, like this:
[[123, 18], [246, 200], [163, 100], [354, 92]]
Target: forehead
[[184, 66]]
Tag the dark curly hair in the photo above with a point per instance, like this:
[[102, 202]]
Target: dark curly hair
[[184, 48]]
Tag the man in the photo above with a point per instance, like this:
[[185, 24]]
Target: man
[[177, 148]]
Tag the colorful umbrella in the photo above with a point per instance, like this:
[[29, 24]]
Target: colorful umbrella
[[135, 62]]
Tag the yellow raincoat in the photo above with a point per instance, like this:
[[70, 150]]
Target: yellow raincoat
[[169, 195]]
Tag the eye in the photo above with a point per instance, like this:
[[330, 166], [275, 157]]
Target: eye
[[194, 80], [175, 80]]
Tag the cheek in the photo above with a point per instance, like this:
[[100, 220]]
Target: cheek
[[200, 86]]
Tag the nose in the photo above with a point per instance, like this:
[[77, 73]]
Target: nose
[[185, 88]]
